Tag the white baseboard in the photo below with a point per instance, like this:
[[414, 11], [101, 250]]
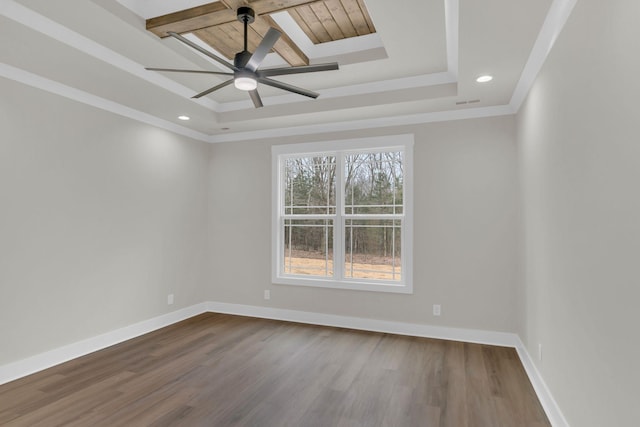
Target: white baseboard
[[30, 365], [547, 401], [22, 368], [400, 328]]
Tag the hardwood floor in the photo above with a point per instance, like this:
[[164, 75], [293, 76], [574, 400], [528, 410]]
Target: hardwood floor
[[222, 370]]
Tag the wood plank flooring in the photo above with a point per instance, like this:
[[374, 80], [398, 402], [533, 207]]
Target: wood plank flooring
[[223, 370]]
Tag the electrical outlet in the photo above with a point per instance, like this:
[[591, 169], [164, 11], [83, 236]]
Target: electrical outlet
[[436, 309], [170, 299], [267, 294], [540, 352]]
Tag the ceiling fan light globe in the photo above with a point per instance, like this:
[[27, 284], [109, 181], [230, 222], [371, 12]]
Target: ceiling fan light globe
[[245, 83]]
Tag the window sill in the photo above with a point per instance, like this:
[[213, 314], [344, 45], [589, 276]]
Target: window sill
[[401, 288]]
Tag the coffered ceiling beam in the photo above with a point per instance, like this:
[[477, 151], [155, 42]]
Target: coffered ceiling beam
[[205, 20], [208, 15]]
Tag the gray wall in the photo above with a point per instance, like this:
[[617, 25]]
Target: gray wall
[[100, 218], [580, 169], [465, 245]]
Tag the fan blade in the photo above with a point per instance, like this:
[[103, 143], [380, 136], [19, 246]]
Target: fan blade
[[297, 70], [172, 70], [263, 48], [200, 49], [255, 97], [213, 89], [290, 88]]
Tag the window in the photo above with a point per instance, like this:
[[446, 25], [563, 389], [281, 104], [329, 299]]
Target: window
[[342, 214]]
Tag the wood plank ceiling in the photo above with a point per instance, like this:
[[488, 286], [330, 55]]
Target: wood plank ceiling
[[216, 24]]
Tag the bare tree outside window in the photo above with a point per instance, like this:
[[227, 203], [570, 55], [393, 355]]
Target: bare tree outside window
[[373, 208], [310, 206], [371, 215]]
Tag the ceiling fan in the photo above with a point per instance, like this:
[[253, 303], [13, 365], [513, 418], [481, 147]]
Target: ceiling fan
[[245, 68]]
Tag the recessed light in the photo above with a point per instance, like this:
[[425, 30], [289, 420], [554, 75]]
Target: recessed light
[[184, 118], [484, 79]]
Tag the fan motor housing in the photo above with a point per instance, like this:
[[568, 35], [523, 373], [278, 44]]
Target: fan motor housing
[[241, 59]]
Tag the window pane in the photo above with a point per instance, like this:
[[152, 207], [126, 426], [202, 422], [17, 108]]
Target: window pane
[[373, 183], [308, 247], [372, 249], [310, 185]]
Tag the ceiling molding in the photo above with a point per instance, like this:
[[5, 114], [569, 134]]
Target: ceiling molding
[[555, 20], [557, 17], [36, 81], [25, 16], [382, 122], [452, 14], [46, 26], [424, 80], [149, 9]]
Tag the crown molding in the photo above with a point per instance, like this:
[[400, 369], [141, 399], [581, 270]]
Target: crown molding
[[25, 16], [557, 17], [39, 82], [32, 19], [150, 9], [424, 80], [452, 14], [376, 123]]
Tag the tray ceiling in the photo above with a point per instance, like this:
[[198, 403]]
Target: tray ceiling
[[420, 64]]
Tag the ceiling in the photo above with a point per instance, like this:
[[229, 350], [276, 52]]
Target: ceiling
[[311, 22], [421, 64]]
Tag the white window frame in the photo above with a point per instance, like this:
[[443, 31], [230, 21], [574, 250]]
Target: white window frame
[[341, 148]]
